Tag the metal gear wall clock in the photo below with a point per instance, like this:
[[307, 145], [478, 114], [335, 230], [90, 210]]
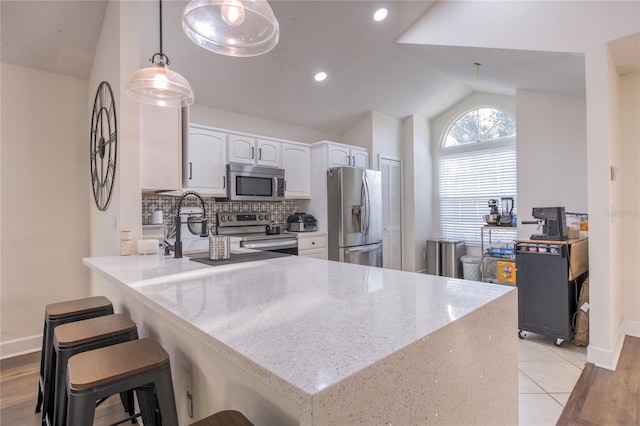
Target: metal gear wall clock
[[103, 145]]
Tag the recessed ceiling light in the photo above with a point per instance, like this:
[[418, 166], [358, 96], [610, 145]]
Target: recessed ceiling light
[[380, 14], [321, 76]]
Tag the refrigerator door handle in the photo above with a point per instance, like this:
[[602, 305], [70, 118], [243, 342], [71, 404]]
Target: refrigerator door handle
[[366, 204], [363, 249]]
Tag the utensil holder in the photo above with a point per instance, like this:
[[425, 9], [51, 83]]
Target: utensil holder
[[219, 247]]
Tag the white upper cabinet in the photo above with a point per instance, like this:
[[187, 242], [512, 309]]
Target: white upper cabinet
[[160, 148], [360, 157], [339, 155], [204, 167], [344, 155], [296, 162], [249, 150], [269, 153]]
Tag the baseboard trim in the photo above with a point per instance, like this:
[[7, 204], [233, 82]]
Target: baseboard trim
[[631, 328], [607, 358], [16, 347]]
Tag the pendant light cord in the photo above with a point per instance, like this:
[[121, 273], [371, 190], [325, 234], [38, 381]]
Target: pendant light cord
[[164, 59], [160, 8]]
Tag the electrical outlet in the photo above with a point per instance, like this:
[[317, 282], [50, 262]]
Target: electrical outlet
[[189, 405]]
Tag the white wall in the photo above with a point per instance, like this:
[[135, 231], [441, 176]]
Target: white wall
[[387, 137], [418, 196], [629, 177], [576, 27], [360, 134], [45, 198], [551, 154], [243, 123]]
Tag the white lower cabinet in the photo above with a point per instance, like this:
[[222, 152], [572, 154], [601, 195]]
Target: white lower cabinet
[[313, 244]]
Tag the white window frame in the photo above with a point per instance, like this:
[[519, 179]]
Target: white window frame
[[470, 232]]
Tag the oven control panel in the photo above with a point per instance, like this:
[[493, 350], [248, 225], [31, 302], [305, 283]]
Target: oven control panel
[[243, 219]]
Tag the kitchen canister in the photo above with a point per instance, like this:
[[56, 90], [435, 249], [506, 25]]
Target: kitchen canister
[[219, 247], [156, 217], [125, 243]]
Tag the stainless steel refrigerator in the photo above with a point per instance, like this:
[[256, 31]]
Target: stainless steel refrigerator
[[354, 204]]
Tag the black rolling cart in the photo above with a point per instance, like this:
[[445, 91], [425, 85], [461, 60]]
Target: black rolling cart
[[549, 278]]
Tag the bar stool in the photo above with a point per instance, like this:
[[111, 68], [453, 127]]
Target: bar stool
[[141, 365], [61, 313], [81, 336], [224, 418]]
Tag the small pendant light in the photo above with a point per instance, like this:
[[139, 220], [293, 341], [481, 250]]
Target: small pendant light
[[158, 85], [231, 27]]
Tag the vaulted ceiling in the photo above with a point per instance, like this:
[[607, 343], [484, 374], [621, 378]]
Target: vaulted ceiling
[[367, 69]]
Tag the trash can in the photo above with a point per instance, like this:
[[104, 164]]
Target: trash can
[[451, 252], [471, 267], [433, 257]]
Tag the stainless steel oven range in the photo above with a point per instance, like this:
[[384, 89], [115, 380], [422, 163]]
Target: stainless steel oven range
[[252, 229]]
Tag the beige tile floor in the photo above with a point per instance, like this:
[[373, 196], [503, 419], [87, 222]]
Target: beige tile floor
[[548, 374]]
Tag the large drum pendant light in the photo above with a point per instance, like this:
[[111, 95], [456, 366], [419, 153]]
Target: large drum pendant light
[[158, 85], [231, 27]]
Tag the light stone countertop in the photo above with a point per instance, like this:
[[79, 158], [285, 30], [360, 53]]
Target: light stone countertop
[[300, 324]]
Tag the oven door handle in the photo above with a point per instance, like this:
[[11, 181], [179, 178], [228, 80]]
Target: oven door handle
[[287, 243]]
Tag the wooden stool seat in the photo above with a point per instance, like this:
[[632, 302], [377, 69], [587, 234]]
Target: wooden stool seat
[[103, 365], [75, 333], [61, 313], [78, 306], [81, 336], [225, 418], [141, 365]]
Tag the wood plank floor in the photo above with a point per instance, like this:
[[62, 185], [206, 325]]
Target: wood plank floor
[[19, 392], [605, 397]]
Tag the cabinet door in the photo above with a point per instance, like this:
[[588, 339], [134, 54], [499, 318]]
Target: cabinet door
[[315, 253], [242, 149], [360, 158], [160, 148], [296, 162], [339, 156], [268, 153], [205, 167]]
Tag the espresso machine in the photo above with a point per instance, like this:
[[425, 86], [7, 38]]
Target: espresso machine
[[506, 216], [553, 222]]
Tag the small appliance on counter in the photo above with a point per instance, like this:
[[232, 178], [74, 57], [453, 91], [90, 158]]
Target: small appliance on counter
[[301, 222], [553, 222], [493, 218], [506, 217]]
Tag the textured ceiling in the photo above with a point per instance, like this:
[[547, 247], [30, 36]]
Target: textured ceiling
[[55, 36], [367, 69]]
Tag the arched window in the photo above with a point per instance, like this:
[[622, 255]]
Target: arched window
[[477, 162]]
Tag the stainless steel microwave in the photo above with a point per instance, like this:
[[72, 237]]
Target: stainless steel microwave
[[254, 183]]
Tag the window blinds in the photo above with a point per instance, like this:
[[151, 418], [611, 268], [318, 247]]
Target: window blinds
[[466, 182]]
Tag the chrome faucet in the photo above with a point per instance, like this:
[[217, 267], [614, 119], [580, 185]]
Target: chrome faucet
[[177, 249]]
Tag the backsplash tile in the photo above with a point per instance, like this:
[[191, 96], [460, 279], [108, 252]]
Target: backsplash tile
[[169, 206]]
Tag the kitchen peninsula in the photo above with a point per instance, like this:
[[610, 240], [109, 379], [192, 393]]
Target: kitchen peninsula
[[306, 341]]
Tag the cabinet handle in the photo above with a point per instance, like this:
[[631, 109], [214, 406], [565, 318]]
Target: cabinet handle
[[353, 157], [224, 182], [348, 160], [253, 153], [190, 170], [259, 153]]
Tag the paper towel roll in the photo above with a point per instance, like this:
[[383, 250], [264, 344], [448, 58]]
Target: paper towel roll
[[156, 217], [147, 246]]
